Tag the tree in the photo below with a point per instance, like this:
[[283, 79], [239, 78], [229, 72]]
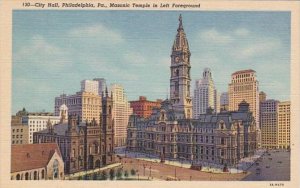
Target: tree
[[103, 175], [126, 174], [119, 173], [112, 174], [95, 177], [132, 172]]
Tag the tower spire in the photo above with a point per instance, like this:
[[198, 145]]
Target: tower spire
[[180, 27], [180, 73]]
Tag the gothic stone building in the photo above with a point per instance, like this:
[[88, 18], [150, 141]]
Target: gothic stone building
[[171, 132], [83, 145], [221, 139]]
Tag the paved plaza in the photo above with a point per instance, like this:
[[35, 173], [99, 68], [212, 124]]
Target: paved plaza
[[273, 166], [263, 166], [159, 171]]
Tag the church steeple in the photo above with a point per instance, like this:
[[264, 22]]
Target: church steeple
[[180, 73]]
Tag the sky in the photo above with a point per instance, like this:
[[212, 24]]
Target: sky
[[54, 50]]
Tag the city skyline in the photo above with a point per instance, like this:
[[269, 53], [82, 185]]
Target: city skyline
[[51, 57]]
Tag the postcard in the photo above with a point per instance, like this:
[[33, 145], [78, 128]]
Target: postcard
[[149, 93]]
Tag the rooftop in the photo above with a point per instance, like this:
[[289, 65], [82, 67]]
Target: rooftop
[[32, 156], [243, 71]]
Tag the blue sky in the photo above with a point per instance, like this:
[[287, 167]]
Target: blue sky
[[54, 50]]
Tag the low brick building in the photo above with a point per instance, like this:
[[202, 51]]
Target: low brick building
[[143, 107]]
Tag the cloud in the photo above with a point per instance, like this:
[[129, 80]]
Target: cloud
[[214, 36], [258, 47], [134, 59], [40, 54], [97, 32], [242, 32]]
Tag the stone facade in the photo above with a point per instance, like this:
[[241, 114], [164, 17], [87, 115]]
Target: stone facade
[[180, 80], [223, 138], [83, 146], [170, 132]]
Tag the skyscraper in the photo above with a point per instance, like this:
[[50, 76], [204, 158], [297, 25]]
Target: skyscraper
[[101, 84], [244, 86], [85, 105], [284, 124], [120, 114], [269, 123], [180, 80], [262, 96], [205, 94], [224, 101], [89, 86]]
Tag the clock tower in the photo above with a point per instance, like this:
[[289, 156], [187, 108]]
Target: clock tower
[[180, 74]]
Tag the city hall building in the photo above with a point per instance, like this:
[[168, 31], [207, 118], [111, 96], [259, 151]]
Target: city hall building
[[171, 132]]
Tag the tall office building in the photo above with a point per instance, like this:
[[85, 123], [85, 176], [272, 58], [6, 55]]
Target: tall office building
[[244, 86], [269, 123], [90, 86], [121, 112], [284, 124], [101, 84], [262, 96], [86, 105], [205, 94], [224, 101]]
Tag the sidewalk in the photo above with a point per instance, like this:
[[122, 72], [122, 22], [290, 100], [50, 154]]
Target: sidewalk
[[82, 173]]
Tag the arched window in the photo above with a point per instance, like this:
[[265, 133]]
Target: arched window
[[109, 109], [35, 175], [55, 169], [18, 177], [27, 176], [43, 174]]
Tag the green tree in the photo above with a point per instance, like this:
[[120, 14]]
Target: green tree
[[103, 175], [95, 177], [119, 173], [112, 174]]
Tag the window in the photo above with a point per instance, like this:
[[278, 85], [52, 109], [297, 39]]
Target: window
[[55, 169], [18, 177], [222, 141]]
